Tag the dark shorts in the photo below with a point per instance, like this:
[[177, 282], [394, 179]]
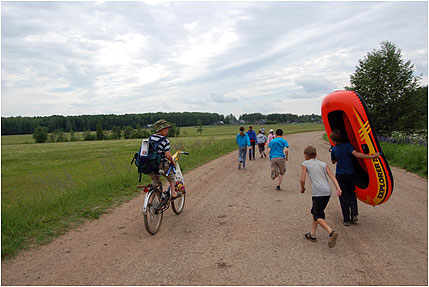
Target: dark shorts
[[319, 205]]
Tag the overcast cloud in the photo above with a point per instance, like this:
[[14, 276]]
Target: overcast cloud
[[73, 58]]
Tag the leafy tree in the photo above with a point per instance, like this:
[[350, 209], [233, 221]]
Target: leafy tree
[[385, 82], [127, 132], [59, 136], [139, 133], [174, 131], [415, 116], [230, 119], [73, 137], [99, 132], [40, 134], [88, 136], [69, 126], [200, 128], [116, 132], [51, 138]]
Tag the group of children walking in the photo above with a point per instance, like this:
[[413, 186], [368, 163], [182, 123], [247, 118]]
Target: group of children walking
[[344, 179]]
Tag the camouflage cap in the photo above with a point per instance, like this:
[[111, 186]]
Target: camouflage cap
[[161, 124]]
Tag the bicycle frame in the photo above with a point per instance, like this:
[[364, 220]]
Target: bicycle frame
[[179, 182]]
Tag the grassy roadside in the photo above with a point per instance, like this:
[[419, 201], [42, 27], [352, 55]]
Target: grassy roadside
[[411, 157], [49, 188]]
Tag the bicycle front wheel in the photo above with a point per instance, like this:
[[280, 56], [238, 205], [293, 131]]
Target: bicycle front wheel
[[178, 204], [153, 212]]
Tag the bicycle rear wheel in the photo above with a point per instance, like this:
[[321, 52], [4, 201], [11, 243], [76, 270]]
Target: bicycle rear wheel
[[153, 214], [178, 204]]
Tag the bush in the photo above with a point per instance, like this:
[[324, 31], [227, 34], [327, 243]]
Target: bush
[[40, 134], [88, 136]]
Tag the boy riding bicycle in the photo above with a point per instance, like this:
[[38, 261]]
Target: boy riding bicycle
[[162, 127]]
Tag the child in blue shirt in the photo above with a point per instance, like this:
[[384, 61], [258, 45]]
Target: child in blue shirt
[[278, 150], [342, 154], [252, 137], [243, 142]]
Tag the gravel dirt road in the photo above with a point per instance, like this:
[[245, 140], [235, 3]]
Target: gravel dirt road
[[236, 229]]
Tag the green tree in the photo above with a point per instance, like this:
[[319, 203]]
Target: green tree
[[88, 136], [174, 131], [230, 119], [72, 136], [199, 128], [415, 116], [59, 136], [385, 82], [40, 134], [116, 133], [99, 134], [127, 132]]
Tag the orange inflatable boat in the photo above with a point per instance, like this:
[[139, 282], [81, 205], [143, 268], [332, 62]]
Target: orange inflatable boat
[[347, 112]]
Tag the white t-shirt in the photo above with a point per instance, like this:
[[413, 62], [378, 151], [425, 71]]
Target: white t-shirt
[[316, 170]]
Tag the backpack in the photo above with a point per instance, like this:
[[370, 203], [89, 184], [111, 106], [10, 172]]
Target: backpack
[[147, 159]]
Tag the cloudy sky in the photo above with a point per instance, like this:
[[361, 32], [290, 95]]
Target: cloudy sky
[[74, 58]]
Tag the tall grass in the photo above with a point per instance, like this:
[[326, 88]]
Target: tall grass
[[411, 157]]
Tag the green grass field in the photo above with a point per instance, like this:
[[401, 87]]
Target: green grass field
[[184, 132], [49, 188]]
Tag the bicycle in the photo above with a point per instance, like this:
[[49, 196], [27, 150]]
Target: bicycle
[[156, 201]]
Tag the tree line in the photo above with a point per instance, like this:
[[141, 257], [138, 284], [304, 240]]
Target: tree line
[[83, 123], [27, 125], [280, 118]]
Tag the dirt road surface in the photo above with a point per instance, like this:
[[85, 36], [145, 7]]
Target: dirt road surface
[[236, 229]]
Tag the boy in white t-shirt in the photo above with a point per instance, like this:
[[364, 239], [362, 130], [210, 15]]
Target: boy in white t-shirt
[[318, 171]]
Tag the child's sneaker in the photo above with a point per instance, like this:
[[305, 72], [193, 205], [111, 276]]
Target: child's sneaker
[[332, 239], [354, 219], [278, 187], [239, 166], [310, 237]]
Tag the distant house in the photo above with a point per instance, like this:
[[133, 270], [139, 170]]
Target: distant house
[[219, 123]]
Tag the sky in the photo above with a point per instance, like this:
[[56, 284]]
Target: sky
[[76, 58]]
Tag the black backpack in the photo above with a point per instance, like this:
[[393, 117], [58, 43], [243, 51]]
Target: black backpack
[[148, 161]]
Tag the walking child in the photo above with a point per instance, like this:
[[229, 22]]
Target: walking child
[[261, 139], [321, 190], [243, 142], [252, 137], [343, 155], [270, 136], [278, 150]]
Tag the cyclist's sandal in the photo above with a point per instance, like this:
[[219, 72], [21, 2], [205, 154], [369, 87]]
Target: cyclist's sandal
[[310, 237], [179, 194]]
